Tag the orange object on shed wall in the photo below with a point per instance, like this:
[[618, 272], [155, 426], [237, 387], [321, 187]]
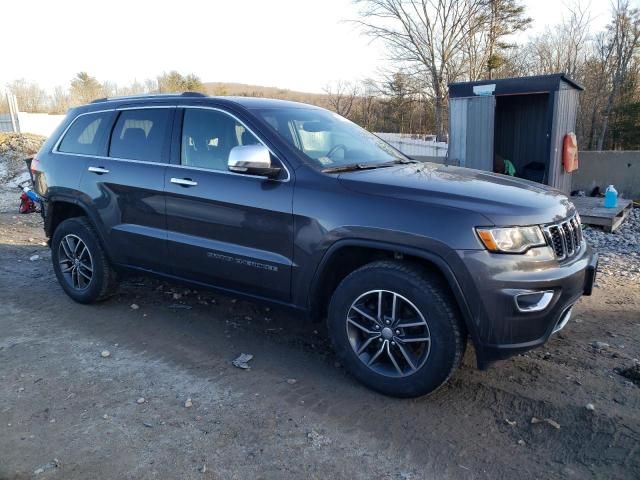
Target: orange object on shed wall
[[570, 152]]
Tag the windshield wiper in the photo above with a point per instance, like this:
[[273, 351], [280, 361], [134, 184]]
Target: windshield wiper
[[353, 166], [366, 166]]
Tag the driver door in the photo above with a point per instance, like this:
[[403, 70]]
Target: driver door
[[230, 230]]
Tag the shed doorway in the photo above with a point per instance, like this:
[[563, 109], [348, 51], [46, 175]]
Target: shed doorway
[[521, 135]]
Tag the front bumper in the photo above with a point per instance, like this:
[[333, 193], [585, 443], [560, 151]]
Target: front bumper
[[493, 282]]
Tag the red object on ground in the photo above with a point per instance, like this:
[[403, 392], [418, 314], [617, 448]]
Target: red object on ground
[[26, 204]]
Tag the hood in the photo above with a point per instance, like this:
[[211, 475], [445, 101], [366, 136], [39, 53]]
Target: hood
[[503, 200]]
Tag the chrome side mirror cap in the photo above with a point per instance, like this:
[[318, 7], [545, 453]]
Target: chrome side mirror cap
[[252, 160]]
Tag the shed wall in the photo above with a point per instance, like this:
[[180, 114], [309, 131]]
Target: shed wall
[[471, 126], [480, 128], [457, 130], [565, 109]]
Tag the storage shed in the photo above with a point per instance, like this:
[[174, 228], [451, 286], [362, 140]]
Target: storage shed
[[523, 120]]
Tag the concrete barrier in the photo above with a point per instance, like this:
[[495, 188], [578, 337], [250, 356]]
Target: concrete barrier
[[621, 169]]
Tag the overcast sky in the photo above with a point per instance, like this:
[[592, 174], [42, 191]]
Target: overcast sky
[[296, 44]]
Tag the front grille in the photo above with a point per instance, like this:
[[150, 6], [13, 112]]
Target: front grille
[[565, 237]]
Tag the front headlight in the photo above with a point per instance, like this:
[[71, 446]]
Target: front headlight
[[511, 239]]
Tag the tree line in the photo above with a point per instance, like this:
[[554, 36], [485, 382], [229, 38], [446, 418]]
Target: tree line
[[431, 43], [83, 88]]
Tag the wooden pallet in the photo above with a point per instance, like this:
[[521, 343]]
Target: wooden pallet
[[592, 212]]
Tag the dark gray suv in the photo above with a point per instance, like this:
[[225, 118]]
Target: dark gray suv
[[292, 204]]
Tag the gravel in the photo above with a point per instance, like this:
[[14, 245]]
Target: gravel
[[619, 251]]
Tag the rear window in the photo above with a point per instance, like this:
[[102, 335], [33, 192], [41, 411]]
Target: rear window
[[140, 134], [86, 134]]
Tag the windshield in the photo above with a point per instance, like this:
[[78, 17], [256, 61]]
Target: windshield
[[327, 139]]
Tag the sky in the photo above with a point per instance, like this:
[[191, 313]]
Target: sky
[[298, 44]]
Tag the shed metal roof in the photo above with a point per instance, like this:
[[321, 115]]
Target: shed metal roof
[[516, 85]]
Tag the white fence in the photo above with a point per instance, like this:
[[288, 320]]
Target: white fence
[[38, 123], [414, 146]]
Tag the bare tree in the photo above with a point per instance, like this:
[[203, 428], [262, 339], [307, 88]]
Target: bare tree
[[150, 85], [341, 96], [112, 89], [624, 39], [428, 35], [575, 38], [368, 98], [29, 96], [563, 48], [596, 78], [60, 100]]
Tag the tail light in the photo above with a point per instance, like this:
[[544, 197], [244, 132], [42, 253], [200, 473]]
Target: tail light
[[34, 165]]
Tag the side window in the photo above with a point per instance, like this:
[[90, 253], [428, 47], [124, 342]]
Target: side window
[[140, 134], [86, 134], [208, 137]]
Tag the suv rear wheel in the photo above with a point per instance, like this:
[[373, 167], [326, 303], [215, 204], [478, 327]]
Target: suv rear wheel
[[80, 263], [396, 328]]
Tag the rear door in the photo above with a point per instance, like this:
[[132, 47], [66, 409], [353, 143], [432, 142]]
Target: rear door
[[227, 229], [126, 186]]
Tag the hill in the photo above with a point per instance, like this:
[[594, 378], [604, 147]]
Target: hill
[[242, 89]]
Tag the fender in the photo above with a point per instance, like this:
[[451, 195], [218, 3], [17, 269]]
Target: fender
[[440, 263], [92, 216]]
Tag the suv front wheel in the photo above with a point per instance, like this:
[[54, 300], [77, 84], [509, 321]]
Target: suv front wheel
[[80, 263], [396, 328]]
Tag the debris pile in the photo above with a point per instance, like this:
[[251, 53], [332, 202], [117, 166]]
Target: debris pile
[[14, 148]]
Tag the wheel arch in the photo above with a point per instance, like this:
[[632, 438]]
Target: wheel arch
[[327, 276], [62, 207]]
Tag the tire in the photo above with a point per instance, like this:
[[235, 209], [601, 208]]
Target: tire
[[406, 364], [89, 279]]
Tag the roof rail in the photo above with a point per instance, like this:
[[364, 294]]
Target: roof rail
[[150, 95]]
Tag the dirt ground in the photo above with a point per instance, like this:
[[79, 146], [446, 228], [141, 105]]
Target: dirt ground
[[68, 413]]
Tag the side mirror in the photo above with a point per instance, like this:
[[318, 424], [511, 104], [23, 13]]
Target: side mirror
[[252, 160]]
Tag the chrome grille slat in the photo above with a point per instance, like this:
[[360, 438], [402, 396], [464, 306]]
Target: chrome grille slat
[[568, 237], [578, 231], [570, 234], [565, 238], [574, 228]]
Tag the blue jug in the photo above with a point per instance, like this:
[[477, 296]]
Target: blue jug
[[610, 197]]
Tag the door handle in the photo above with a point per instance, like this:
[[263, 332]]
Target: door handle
[[184, 182], [98, 170]]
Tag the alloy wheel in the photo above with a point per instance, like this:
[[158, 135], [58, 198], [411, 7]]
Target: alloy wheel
[[388, 333], [76, 263]]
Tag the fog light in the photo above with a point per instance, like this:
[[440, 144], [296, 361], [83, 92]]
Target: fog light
[[533, 301]]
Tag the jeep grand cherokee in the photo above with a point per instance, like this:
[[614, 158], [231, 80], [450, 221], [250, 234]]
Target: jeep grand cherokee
[[292, 204]]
